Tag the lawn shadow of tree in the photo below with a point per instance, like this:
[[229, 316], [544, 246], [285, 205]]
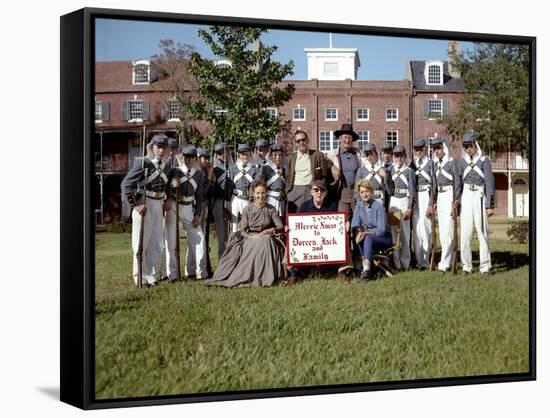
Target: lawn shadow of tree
[[502, 261]]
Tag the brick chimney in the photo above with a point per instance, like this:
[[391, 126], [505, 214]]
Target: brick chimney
[[454, 46]]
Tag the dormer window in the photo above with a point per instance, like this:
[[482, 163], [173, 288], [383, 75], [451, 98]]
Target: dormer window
[[434, 73], [141, 73]]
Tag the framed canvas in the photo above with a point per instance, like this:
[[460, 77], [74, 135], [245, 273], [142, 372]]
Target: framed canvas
[[134, 82]]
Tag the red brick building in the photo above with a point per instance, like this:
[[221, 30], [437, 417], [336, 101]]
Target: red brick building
[[131, 104]]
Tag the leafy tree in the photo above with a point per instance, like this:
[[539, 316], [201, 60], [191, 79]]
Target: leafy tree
[[233, 97], [496, 101], [171, 64]]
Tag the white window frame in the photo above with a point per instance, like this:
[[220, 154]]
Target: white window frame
[[219, 111], [359, 119], [396, 114], [361, 142], [136, 118], [294, 114], [332, 141], [98, 115], [135, 65], [171, 117], [273, 112], [396, 136], [430, 64], [432, 112], [335, 109]]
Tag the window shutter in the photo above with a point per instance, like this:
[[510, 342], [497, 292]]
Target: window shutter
[[145, 110], [125, 110], [426, 109], [105, 111], [165, 110], [445, 107]]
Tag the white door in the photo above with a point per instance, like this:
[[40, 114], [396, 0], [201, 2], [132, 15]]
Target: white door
[[522, 198]]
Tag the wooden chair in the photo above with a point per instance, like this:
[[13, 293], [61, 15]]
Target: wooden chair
[[383, 259]]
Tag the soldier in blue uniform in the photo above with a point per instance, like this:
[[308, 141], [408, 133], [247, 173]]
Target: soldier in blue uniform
[[206, 216], [241, 176], [221, 194], [262, 150], [402, 199], [134, 186], [372, 171], [423, 209], [188, 180], [273, 173], [387, 156], [476, 193], [172, 162], [444, 202]]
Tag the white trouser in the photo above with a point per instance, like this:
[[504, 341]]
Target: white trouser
[[195, 254], [163, 249], [221, 225], [422, 228], [237, 207], [402, 257], [280, 205], [152, 241], [473, 214], [445, 219]]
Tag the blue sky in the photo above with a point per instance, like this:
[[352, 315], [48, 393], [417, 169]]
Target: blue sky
[[382, 58]]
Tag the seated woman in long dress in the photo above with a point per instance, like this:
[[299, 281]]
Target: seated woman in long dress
[[370, 226], [254, 254]]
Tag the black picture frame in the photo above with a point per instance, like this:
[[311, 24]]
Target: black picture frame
[[77, 375]]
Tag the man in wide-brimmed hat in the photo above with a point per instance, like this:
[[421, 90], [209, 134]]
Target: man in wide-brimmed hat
[[345, 161], [149, 176]]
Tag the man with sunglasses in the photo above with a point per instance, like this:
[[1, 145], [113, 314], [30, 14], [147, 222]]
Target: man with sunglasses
[[303, 167], [423, 209], [476, 193], [402, 199]]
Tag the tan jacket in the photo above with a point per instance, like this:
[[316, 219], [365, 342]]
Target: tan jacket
[[319, 168]]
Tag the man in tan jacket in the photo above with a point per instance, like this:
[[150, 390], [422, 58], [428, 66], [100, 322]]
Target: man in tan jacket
[[302, 168]]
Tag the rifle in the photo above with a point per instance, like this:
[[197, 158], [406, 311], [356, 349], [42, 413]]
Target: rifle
[[432, 251], [209, 201], [434, 236], [454, 251], [139, 253], [177, 247]]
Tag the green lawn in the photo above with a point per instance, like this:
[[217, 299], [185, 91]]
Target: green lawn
[[188, 338]]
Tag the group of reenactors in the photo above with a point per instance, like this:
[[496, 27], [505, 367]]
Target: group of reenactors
[[173, 189]]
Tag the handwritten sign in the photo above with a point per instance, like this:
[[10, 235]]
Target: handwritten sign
[[318, 238]]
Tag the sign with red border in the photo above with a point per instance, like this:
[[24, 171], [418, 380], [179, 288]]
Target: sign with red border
[[317, 238]]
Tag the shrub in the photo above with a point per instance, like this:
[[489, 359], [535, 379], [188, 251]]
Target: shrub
[[119, 227], [519, 232]]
